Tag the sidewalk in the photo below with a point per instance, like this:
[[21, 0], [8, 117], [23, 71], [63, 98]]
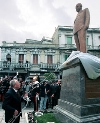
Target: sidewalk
[[22, 120]]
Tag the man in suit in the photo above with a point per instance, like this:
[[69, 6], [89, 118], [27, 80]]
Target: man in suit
[[12, 102], [81, 24], [58, 89], [53, 92]]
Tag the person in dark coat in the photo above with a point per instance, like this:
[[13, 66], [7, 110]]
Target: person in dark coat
[[44, 90], [52, 93], [12, 102], [57, 92]]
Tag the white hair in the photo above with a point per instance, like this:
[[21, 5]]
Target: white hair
[[12, 83]]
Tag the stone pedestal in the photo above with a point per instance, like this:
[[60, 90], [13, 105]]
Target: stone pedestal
[[80, 96]]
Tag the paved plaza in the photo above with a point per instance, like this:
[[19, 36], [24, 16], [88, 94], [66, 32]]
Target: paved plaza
[[23, 119]]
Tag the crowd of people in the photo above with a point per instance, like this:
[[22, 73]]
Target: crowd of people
[[4, 86], [42, 95], [13, 91]]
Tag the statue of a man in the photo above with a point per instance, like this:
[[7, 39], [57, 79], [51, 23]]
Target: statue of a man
[[81, 25]]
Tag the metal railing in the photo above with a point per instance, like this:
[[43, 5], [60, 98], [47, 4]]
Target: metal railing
[[13, 66], [92, 47]]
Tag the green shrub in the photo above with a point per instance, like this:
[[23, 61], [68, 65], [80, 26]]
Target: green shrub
[[46, 117]]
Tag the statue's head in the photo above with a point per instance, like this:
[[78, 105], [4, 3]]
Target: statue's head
[[78, 7]]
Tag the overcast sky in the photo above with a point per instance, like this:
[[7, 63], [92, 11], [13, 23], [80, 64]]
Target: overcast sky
[[33, 19]]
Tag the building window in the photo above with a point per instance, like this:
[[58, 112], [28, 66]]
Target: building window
[[87, 42], [35, 58], [21, 58], [49, 59], [69, 40], [8, 57], [66, 56]]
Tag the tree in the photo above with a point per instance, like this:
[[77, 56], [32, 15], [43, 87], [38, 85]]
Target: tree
[[49, 76]]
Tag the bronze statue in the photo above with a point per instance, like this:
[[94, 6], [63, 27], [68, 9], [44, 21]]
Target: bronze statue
[[81, 25]]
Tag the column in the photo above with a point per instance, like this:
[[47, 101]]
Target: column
[[38, 58], [17, 57], [24, 57], [45, 59], [31, 58], [53, 58]]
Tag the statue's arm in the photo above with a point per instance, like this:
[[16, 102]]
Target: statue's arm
[[87, 18]]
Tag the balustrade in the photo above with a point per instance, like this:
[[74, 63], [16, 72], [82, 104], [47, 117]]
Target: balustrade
[[12, 66]]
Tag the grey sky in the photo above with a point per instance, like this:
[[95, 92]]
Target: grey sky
[[33, 19]]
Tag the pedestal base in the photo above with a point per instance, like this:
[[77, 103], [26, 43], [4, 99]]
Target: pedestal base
[[79, 97], [65, 116]]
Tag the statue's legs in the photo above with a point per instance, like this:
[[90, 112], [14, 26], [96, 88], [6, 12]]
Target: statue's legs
[[82, 40], [77, 41]]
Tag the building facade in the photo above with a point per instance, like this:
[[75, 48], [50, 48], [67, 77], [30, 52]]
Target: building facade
[[63, 36], [29, 58], [38, 57]]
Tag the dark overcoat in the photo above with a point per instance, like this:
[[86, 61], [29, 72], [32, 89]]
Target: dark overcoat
[[11, 103]]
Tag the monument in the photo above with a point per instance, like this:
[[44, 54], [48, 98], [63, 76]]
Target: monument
[[80, 89], [81, 25]]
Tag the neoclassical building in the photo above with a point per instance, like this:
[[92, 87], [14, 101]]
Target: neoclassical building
[[29, 58], [38, 57], [63, 36]]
